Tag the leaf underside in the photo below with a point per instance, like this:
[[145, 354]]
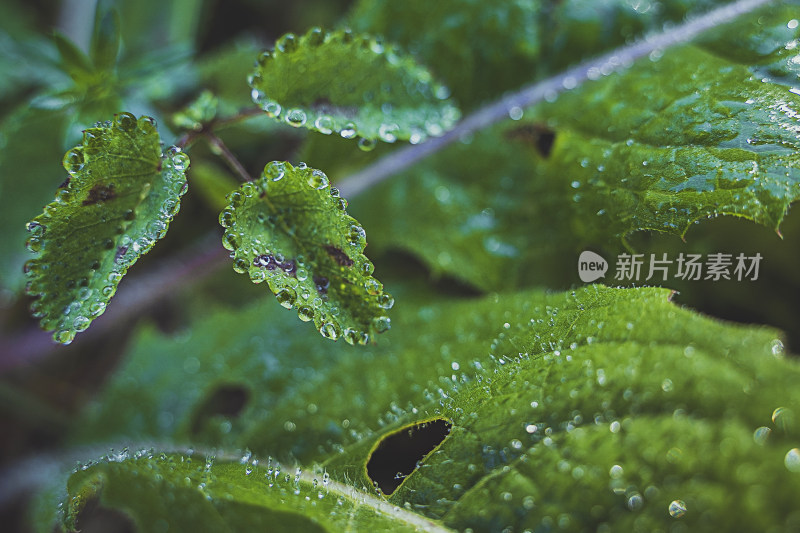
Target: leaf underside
[[352, 85], [119, 199], [290, 229]]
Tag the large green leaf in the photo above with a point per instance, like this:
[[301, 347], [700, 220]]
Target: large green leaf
[[118, 200], [673, 140], [483, 48], [185, 492], [290, 229], [601, 406], [353, 85]]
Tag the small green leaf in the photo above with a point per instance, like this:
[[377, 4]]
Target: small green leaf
[[290, 229], [353, 85], [184, 492], [200, 111], [105, 39], [73, 60], [119, 199]]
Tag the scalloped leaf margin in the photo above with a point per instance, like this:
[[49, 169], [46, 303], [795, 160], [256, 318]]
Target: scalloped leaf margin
[[290, 228], [121, 194]]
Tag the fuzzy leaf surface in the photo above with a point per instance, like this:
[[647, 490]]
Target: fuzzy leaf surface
[[352, 85], [546, 394], [119, 199], [290, 229], [674, 140]]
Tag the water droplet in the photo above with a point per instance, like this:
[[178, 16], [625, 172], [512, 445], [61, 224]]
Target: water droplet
[[635, 502], [777, 347], [615, 472], [531, 428], [264, 58], [760, 435], [329, 330], [317, 180], [241, 265], [125, 121], [373, 286], [382, 324], [515, 113], [782, 418], [324, 124], [666, 385], [357, 235], [180, 161], [677, 508], [348, 131], [287, 43], [81, 323], [305, 313], [388, 132], [64, 336], [286, 297], [792, 460], [73, 160], [366, 145], [295, 117], [271, 108], [147, 125]]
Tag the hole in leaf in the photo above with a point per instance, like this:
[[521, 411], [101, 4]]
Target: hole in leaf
[[95, 518], [537, 135], [227, 401], [397, 455]]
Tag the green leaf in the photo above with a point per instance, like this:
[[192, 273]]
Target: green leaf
[[185, 492], [119, 199], [672, 141], [546, 393], [290, 229], [353, 85], [105, 43], [198, 113], [73, 60], [687, 137]]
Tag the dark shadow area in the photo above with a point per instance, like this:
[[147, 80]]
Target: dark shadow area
[[95, 518], [398, 454], [227, 401]]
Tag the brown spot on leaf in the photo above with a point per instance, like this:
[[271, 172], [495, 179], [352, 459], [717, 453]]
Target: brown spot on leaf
[[322, 284], [537, 135], [100, 193], [269, 262], [341, 258]]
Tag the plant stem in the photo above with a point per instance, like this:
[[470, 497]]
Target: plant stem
[[547, 89], [229, 157]]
